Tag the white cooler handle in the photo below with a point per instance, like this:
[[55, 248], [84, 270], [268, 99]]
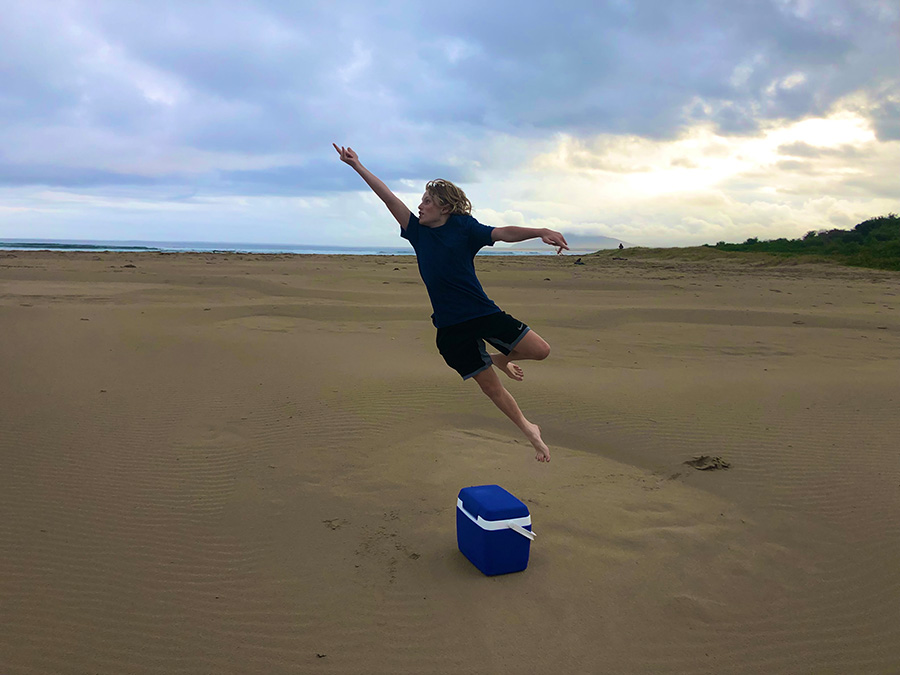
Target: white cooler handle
[[521, 530], [498, 524]]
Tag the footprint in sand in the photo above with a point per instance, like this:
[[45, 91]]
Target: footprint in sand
[[708, 463]]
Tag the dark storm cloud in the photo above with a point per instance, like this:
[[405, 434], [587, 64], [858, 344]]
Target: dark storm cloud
[[317, 177], [408, 79], [73, 177], [648, 68], [886, 118]]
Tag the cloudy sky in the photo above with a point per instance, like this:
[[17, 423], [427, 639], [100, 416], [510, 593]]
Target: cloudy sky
[[660, 122]]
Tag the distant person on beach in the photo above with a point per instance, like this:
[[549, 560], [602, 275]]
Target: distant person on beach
[[446, 238]]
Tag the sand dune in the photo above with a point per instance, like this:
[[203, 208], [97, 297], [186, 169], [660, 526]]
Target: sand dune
[[235, 463]]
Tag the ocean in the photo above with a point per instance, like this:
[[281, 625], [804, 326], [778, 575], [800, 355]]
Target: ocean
[[224, 247]]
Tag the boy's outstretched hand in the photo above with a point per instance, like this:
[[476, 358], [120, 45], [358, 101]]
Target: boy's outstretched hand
[[347, 155], [555, 238]]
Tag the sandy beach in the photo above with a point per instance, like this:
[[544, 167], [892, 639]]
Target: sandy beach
[[225, 463]]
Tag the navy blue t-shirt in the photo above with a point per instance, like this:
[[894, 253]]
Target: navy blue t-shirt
[[446, 257]]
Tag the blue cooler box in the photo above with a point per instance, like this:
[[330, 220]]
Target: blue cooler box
[[493, 529]]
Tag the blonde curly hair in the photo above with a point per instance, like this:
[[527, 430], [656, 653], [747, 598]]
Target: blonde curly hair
[[448, 194]]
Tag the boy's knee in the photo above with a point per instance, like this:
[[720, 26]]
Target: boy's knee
[[530, 346], [540, 351]]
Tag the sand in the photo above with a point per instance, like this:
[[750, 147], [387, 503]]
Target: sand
[[222, 463]]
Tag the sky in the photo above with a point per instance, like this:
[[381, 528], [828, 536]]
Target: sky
[[657, 122]]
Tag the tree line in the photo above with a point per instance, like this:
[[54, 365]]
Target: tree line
[[873, 243]]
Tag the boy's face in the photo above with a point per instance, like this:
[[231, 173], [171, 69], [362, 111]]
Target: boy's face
[[430, 211]]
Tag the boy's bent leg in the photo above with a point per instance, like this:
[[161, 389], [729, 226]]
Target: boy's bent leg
[[490, 384], [532, 346]]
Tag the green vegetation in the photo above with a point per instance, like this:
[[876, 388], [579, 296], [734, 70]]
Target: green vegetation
[[872, 243]]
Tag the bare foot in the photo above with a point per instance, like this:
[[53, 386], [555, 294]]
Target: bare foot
[[542, 452], [511, 369]]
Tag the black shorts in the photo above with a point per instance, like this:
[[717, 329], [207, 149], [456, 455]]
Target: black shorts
[[462, 344]]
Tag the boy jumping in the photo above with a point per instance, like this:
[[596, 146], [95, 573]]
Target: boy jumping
[[446, 238]]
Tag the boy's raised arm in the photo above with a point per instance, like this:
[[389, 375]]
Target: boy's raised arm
[[398, 209], [514, 233]]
